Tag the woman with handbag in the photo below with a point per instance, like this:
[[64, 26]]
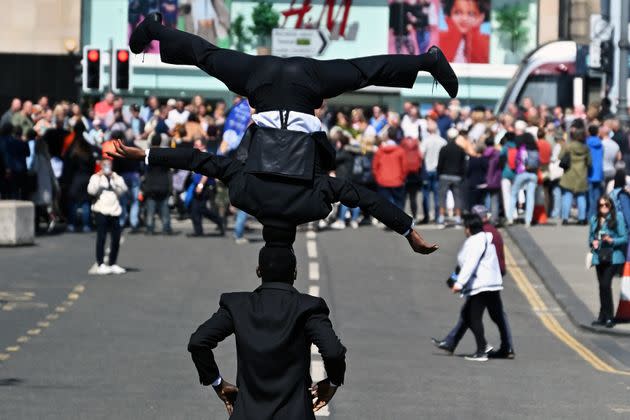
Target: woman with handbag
[[608, 237], [479, 280]]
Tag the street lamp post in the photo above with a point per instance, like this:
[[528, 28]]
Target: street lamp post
[[622, 106]]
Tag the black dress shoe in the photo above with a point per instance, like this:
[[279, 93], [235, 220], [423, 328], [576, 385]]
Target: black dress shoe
[[501, 354], [443, 73], [442, 345], [141, 36]]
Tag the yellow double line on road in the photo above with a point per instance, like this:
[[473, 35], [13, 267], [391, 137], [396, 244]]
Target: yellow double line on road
[[550, 322]]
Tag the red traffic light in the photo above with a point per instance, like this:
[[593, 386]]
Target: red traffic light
[[123, 55], [93, 55]]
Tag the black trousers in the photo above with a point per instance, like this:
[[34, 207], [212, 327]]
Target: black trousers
[[105, 224], [411, 192], [472, 313], [605, 275], [293, 83], [199, 209]]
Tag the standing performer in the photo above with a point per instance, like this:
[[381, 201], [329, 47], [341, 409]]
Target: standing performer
[[274, 327]]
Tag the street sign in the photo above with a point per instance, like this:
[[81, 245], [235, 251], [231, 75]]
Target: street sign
[[298, 42], [601, 30]]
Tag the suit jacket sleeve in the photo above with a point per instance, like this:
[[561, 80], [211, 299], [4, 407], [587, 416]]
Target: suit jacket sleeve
[[353, 195], [207, 164], [206, 338], [320, 332]]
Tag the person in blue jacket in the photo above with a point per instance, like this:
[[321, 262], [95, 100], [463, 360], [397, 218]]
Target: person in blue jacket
[[596, 171], [608, 238]]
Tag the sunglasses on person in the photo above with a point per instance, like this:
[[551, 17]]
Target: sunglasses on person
[[604, 205]]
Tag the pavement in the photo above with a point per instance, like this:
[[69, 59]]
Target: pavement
[[116, 348], [558, 254]]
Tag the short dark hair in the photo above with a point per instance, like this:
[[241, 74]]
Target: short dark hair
[[593, 129], [483, 5], [392, 133], [473, 223], [156, 140], [277, 263]]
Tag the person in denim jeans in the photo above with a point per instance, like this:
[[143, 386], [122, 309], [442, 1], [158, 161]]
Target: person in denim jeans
[[526, 177], [430, 147], [156, 188], [130, 172], [596, 170]]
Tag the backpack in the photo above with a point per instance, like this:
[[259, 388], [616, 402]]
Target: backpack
[[412, 154], [362, 169], [532, 160], [512, 153]]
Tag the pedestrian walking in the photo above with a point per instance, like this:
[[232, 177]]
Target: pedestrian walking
[[479, 281], [574, 181]]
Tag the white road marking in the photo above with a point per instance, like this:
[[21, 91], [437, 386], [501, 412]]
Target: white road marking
[[311, 249], [311, 234], [313, 290], [313, 271]]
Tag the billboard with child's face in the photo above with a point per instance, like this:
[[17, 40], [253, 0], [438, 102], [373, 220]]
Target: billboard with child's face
[[461, 28]]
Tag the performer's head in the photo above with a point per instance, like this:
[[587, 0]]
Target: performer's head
[[276, 263]]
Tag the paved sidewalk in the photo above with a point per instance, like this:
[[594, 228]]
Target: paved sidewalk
[[558, 255]]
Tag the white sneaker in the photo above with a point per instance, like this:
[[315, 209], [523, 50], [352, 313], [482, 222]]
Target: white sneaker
[[116, 269], [354, 224], [241, 241], [339, 225], [103, 269]]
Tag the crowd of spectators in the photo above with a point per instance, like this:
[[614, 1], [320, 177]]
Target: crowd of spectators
[[529, 161]]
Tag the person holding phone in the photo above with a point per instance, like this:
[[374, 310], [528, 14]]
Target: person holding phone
[[106, 187], [608, 237]]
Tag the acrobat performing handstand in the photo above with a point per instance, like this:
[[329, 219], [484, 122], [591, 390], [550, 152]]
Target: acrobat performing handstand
[[280, 173]]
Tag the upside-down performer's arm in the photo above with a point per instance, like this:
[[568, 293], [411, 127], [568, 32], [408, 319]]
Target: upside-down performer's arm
[[208, 164], [353, 195]]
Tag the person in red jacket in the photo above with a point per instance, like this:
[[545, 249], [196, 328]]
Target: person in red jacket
[[390, 170]]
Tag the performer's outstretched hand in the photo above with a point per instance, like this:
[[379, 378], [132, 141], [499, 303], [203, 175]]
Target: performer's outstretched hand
[[227, 393], [126, 152], [322, 392], [419, 245]]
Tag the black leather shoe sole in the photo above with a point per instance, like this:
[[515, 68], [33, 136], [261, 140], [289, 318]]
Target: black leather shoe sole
[[443, 72], [141, 37]]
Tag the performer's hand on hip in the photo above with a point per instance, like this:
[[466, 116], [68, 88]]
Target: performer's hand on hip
[[322, 392], [126, 152], [227, 393], [419, 245]]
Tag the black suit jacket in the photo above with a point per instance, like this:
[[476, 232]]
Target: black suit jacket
[[275, 326]]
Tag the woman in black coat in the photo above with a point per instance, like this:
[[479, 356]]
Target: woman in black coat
[[78, 167]]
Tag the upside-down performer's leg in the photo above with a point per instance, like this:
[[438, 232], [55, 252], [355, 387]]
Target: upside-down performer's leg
[[325, 78]]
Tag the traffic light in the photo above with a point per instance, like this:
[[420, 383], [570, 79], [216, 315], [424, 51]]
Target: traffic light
[[91, 68], [606, 56], [122, 70]]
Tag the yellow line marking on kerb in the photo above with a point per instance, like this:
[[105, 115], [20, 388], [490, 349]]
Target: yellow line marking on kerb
[[550, 322]]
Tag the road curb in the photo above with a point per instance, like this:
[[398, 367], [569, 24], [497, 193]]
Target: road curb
[[557, 285]]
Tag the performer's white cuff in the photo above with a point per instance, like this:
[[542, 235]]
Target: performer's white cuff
[[146, 156], [413, 223], [217, 382], [333, 385]]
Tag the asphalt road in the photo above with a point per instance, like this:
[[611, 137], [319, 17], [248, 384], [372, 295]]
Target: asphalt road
[[84, 347]]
